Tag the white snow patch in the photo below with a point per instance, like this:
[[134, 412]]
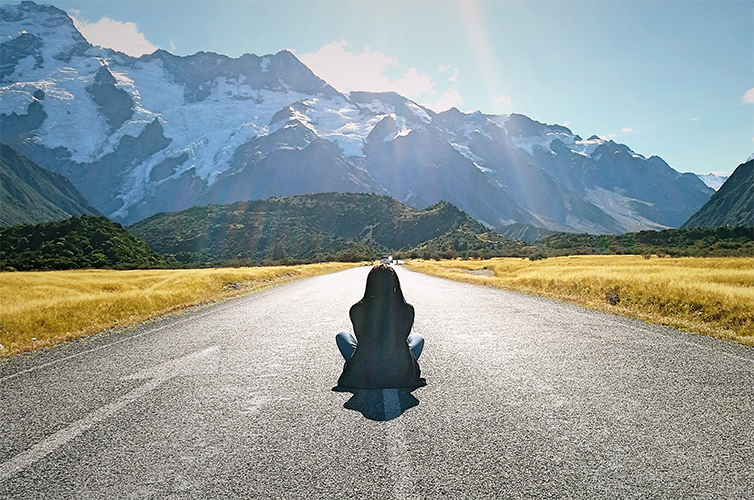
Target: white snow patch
[[588, 146], [528, 143], [713, 180], [483, 169], [264, 65], [619, 208], [465, 151], [68, 105], [16, 98], [379, 107], [418, 111], [403, 132], [22, 66], [339, 121], [499, 119]]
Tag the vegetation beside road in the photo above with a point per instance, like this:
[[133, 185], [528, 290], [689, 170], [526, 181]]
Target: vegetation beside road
[[709, 296], [83, 242], [695, 242], [40, 309]]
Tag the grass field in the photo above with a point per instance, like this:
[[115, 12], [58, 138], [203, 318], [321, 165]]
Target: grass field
[[709, 296], [39, 309]]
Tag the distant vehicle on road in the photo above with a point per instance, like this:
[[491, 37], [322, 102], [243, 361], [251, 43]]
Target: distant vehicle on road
[[386, 259]]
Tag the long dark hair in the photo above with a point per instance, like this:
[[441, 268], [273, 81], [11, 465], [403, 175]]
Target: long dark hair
[[382, 283]]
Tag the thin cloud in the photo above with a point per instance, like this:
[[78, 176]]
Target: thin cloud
[[116, 35], [450, 99], [502, 99], [413, 83], [627, 129], [749, 97], [347, 70], [695, 119], [444, 68]]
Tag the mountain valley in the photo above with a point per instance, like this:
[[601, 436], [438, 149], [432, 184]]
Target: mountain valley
[[163, 133]]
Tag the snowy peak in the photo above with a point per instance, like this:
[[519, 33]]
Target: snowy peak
[[713, 180], [241, 78], [523, 126], [32, 34], [163, 132], [390, 103], [35, 19]]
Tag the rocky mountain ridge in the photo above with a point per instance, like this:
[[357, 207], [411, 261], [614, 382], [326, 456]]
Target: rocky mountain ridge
[[30, 194], [139, 136], [732, 204]]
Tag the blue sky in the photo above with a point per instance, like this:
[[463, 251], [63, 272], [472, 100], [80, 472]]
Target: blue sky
[[667, 78]]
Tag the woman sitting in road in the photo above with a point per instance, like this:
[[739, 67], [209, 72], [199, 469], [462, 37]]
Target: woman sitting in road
[[382, 353]]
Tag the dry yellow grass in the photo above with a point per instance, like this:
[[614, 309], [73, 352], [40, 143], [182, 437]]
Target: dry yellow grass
[[39, 309], [710, 296]]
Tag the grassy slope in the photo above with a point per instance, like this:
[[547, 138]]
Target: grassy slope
[[709, 296], [30, 194], [56, 306]]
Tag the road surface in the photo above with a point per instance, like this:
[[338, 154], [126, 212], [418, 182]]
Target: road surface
[[526, 398]]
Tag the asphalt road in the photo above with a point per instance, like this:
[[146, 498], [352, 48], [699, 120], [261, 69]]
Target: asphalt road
[[526, 398]]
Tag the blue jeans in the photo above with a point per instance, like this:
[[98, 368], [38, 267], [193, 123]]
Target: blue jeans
[[347, 344]]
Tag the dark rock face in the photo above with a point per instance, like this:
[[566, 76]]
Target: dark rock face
[[95, 179], [167, 167], [732, 204], [422, 164], [282, 72], [12, 51], [290, 161], [535, 189], [523, 126], [16, 129], [114, 103]]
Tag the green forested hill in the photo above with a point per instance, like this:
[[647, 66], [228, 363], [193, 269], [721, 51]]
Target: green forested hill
[[77, 243], [30, 194], [312, 227], [694, 242], [732, 204]]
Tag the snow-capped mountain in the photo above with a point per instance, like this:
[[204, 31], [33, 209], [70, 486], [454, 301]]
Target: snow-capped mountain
[[713, 180], [160, 132]]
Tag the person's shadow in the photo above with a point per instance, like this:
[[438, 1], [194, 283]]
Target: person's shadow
[[380, 404]]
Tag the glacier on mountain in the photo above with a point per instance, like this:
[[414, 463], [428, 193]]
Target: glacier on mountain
[[196, 120]]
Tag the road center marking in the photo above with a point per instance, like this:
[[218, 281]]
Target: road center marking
[[186, 365], [397, 450]]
